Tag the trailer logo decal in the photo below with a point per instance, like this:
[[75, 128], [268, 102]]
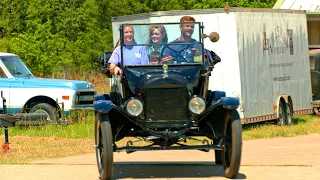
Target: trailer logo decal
[[281, 65], [284, 78], [278, 42]]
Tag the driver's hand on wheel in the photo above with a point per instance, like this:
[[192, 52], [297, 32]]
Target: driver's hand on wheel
[[167, 59], [195, 52]]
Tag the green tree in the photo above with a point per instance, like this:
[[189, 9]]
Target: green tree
[[54, 35]]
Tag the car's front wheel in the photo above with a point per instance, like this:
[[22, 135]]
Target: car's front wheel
[[104, 146], [231, 155]]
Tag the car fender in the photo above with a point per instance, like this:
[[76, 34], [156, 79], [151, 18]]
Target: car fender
[[214, 96], [103, 106], [229, 102]]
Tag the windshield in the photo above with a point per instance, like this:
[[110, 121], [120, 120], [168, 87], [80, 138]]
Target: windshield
[[165, 43], [16, 66]]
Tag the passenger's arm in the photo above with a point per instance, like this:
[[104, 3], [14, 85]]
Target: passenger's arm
[[144, 56], [167, 56], [114, 60], [115, 69]]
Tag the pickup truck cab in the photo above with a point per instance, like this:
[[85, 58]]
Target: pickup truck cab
[[25, 93]]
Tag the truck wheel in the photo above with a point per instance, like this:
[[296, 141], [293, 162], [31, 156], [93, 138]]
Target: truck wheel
[[104, 146], [231, 155], [46, 108], [282, 113], [289, 114]]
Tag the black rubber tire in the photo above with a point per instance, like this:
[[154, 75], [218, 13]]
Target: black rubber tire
[[289, 114], [46, 108], [282, 113], [104, 146], [217, 156], [232, 133]]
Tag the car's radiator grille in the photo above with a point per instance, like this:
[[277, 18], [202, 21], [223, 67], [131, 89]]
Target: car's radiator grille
[[166, 104], [84, 98]]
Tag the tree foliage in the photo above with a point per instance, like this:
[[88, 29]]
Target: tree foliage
[[53, 35]]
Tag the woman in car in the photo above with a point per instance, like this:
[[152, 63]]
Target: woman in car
[[131, 54], [156, 43]]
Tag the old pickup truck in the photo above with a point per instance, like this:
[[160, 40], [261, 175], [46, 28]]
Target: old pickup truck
[[25, 93]]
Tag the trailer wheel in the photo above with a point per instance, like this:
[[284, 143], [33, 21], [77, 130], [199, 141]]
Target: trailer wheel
[[289, 114], [282, 113], [316, 111], [104, 146], [232, 133]]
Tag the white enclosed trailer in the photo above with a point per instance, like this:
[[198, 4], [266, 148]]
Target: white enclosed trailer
[[264, 56]]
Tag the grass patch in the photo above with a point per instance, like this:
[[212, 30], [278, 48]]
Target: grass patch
[[81, 129], [303, 125], [52, 141]]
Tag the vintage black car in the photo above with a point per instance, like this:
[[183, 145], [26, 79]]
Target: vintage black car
[[167, 104]]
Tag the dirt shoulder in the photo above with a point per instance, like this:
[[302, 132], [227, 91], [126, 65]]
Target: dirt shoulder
[[300, 151]]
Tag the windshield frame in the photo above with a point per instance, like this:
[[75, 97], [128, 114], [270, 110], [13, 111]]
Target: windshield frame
[[199, 41]]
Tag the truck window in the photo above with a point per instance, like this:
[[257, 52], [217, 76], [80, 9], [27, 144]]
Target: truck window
[[15, 66], [2, 74]]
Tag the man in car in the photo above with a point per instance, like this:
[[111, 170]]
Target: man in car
[[184, 53]]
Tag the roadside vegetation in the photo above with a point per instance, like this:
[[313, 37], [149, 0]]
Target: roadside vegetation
[[303, 125], [52, 141], [53, 36]]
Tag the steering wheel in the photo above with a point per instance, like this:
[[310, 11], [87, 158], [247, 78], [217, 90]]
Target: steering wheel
[[178, 56]]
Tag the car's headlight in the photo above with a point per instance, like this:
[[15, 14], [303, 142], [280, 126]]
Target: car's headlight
[[197, 105], [134, 107]]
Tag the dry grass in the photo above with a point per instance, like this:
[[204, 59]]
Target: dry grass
[[25, 148], [96, 77]]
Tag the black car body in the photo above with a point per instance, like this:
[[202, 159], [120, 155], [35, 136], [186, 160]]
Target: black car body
[[176, 106]]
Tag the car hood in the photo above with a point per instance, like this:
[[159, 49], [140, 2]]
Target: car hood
[[56, 83], [153, 77]]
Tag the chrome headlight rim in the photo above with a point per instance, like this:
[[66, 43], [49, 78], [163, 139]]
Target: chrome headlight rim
[[201, 100], [139, 103]]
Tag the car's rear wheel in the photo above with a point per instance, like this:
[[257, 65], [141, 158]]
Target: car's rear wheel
[[232, 133], [104, 146]]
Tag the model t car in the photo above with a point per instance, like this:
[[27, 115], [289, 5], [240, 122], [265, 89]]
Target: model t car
[[167, 103]]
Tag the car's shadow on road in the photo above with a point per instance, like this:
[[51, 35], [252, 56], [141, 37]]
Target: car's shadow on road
[[150, 170]]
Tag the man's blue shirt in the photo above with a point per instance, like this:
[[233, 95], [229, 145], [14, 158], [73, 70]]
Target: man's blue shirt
[[183, 52]]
